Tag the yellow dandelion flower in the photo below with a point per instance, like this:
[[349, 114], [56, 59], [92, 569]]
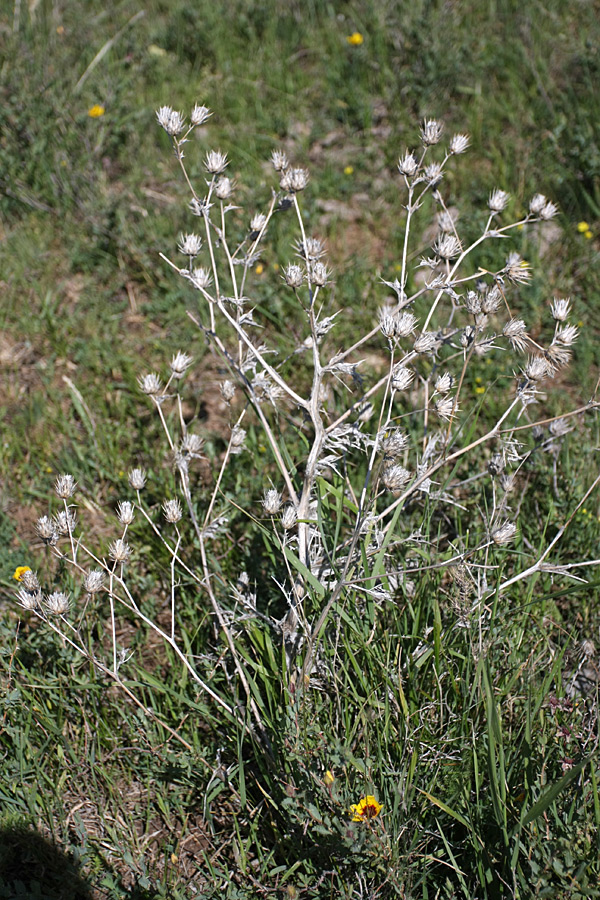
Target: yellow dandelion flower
[[480, 390], [355, 39], [348, 170], [582, 227], [259, 269], [588, 234], [95, 111], [20, 571], [366, 808]]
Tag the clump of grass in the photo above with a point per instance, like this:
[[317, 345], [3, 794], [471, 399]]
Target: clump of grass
[[382, 734]]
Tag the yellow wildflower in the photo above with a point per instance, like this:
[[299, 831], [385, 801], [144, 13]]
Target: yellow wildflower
[[329, 777], [20, 571], [355, 39], [480, 390], [95, 111], [588, 234], [366, 808], [259, 269], [348, 170], [582, 227]]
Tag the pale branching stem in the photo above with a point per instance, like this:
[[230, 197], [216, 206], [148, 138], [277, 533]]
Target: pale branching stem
[[226, 458], [538, 565], [467, 359], [112, 619], [173, 561], [258, 355], [68, 521], [258, 408], [409, 211], [303, 233], [442, 462], [164, 423]]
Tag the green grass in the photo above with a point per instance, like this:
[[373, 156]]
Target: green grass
[[464, 745]]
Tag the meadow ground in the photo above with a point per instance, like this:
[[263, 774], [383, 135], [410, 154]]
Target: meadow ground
[[465, 706]]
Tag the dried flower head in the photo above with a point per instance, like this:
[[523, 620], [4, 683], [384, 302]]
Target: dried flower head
[[150, 384], [320, 274], [446, 222], [516, 269], [289, 516], [426, 342], [491, 300], [257, 224], [536, 204], [200, 114], [504, 533], [279, 160], [561, 309], [431, 132], [137, 479], [402, 377], [173, 122], [29, 581], [293, 180], [293, 275], [459, 143], [549, 211], [498, 201], [126, 512], [472, 302], [172, 511], [57, 603], [227, 389], [29, 599], [447, 246], [200, 278], [446, 407], [387, 324], [271, 502], [94, 581], [238, 437], [566, 335], [443, 383], [119, 551], [191, 445], [433, 174], [537, 368], [190, 244], [405, 324], [179, 364], [408, 165], [395, 477], [46, 530], [64, 486], [394, 443], [224, 188], [65, 521], [516, 332], [215, 162]]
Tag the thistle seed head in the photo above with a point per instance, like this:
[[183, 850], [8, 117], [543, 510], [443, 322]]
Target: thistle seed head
[[46, 530], [395, 477], [29, 581], [516, 332], [408, 165], [459, 143], [431, 132], [401, 377], [119, 551], [426, 342], [238, 437], [29, 599], [257, 223], [561, 309], [173, 122], [446, 407], [320, 274], [94, 581], [172, 511], [447, 246], [271, 502], [504, 533], [190, 244], [57, 603], [498, 201], [65, 521], [394, 443], [201, 278], [516, 269], [150, 384], [491, 300], [536, 204], [64, 486], [224, 188], [191, 445], [137, 479], [179, 364], [548, 212], [405, 324], [126, 512], [215, 162], [443, 383], [227, 389], [289, 516], [279, 160], [200, 114], [293, 275]]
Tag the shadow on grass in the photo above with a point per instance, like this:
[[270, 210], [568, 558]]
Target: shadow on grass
[[32, 868]]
